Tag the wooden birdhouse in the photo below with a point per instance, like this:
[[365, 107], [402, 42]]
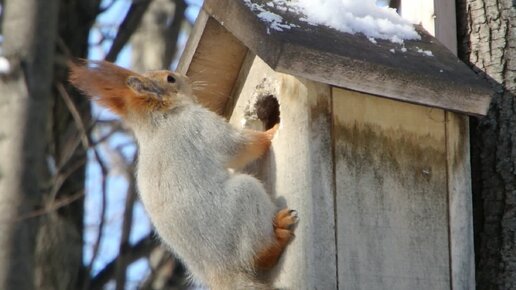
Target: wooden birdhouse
[[373, 147]]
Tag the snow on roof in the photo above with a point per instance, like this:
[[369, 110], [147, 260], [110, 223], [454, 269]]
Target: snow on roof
[[349, 16]]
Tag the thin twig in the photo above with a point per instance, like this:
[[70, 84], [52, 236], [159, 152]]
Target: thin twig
[[87, 144], [75, 115], [121, 266], [127, 28], [103, 207], [135, 252], [57, 204], [172, 32]]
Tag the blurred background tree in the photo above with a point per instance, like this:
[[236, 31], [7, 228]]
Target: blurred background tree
[[69, 212]]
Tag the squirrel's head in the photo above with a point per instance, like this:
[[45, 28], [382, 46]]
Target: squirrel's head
[[127, 93]]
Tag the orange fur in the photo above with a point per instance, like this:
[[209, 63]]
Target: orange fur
[[283, 222], [107, 84], [257, 146]]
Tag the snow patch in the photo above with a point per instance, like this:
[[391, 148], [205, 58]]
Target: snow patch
[[350, 16], [5, 66], [424, 52]]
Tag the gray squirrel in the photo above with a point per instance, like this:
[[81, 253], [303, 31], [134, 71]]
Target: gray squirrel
[[221, 224]]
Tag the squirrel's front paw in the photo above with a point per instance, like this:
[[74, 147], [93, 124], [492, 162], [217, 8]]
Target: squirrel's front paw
[[272, 131]]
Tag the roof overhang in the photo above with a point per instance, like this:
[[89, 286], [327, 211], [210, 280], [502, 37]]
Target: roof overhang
[[350, 61]]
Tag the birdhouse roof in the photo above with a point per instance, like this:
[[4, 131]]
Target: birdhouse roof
[[418, 71]]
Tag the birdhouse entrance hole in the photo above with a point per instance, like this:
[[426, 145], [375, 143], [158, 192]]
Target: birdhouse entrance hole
[[267, 110]]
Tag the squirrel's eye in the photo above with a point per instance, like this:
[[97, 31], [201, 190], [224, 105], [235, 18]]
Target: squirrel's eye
[[171, 79]]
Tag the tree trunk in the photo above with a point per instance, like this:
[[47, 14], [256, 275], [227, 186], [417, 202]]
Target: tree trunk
[[29, 29], [59, 247], [487, 41], [43, 163], [154, 43]]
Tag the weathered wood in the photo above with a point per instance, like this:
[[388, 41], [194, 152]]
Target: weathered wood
[[193, 42], [241, 79], [213, 58], [391, 194], [352, 61], [446, 24], [298, 170], [436, 16], [462, 251]]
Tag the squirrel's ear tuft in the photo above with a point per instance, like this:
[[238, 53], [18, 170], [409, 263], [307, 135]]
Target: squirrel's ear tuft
[[105, 82], [146, 87], [136, 83]]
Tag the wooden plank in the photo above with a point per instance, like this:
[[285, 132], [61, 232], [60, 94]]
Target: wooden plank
[[214, 58], [392, 202], [193, 42], [298, 172], [391, 82], [351, 61], [436, 16], [462, 256], [446, 24], [239, 84], [419, 12]]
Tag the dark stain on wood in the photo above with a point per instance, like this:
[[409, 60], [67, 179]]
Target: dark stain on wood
[[406, 155]]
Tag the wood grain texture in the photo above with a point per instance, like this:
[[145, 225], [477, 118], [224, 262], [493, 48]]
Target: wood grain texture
[[214, 59], [462, 252], [392, 201], [298, 173], [193, 42], [351, 61]]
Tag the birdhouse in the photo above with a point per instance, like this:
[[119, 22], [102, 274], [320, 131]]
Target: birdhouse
[[373, 145]]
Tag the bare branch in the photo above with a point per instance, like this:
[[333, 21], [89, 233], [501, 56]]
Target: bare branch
[[127, 28], [172, 34], [75, 115], [102, 218], [54, 206], [121, 266], [134, 252], [165, 271]]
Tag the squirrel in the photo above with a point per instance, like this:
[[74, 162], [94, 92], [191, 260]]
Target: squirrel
[[222, 224]]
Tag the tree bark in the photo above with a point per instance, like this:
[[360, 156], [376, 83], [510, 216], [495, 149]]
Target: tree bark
[[29, 29], [154, 43], [59, 246], [41, 165], [487, 41]]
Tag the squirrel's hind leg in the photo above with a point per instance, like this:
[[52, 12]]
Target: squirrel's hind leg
[[283, 224]]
